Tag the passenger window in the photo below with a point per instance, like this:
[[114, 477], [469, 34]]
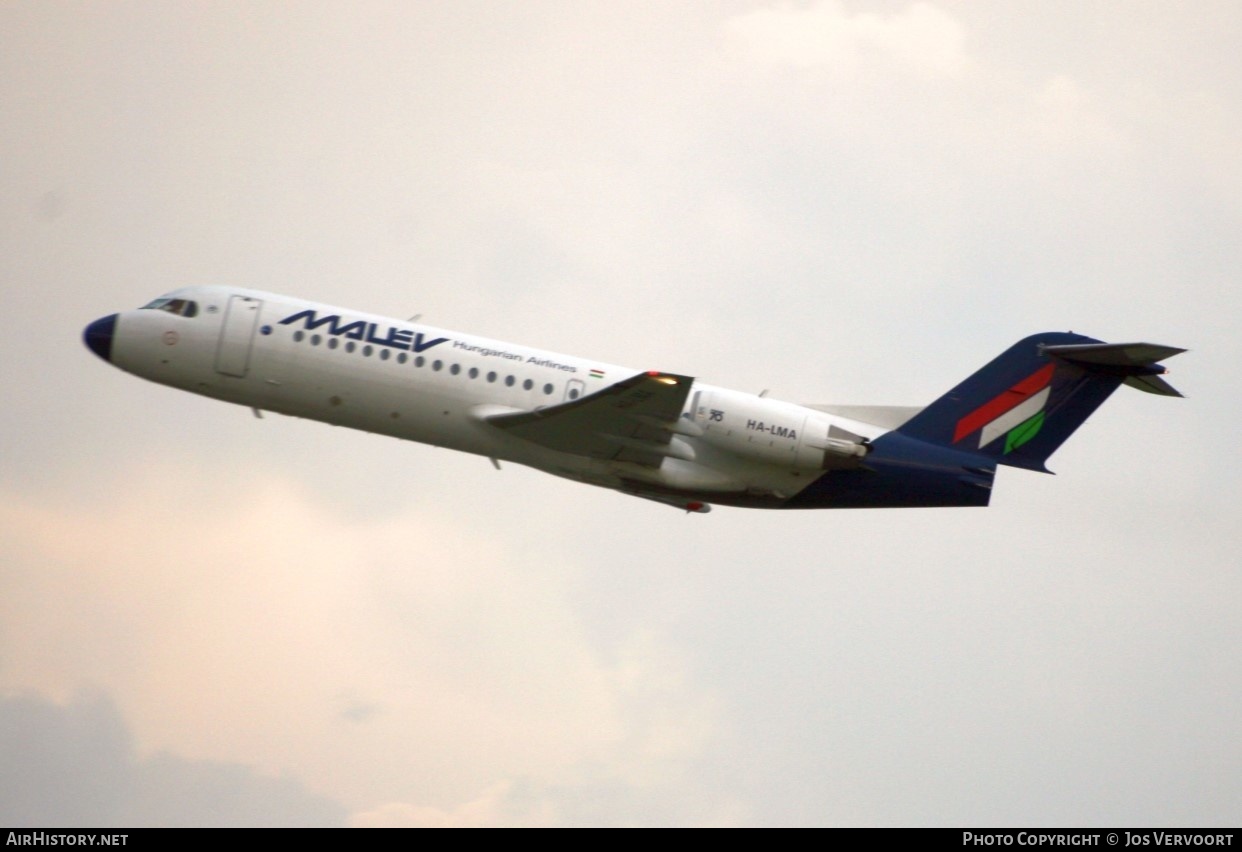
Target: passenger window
[[528, 384], [509, 380]]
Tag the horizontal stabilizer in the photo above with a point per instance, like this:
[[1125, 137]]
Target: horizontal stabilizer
[[1134, 362], [1152, 384], [1114, 354]]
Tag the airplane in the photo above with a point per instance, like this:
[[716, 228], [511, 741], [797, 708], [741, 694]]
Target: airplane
[[658, 435]]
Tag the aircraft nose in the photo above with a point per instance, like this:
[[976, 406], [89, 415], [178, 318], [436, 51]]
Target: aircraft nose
[[98, 336]]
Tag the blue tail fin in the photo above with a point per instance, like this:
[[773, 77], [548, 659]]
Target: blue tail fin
[[1022, 406]]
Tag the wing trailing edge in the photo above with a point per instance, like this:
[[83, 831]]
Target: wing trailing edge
[[634, 420]]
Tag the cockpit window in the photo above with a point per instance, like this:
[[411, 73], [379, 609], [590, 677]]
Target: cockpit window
[[180, 307]]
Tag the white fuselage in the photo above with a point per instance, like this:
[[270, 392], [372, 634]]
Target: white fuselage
[[434, 386]]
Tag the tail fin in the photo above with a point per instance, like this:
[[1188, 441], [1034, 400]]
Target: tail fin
[[1022, 406]]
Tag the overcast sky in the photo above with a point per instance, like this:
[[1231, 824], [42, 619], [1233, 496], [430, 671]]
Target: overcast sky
[[211, 619]]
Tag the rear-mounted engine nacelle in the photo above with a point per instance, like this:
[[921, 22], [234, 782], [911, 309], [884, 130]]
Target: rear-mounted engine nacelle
[[774, 432]]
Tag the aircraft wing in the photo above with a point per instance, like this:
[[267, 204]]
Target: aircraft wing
[[633, 420]]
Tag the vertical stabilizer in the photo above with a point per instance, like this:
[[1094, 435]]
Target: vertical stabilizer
[[1018, 409]]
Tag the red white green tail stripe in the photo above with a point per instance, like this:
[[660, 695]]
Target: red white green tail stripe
[[1017, 413]]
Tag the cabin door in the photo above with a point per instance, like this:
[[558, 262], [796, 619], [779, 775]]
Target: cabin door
[[237, 335]]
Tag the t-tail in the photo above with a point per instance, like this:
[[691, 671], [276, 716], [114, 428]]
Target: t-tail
[[1022, 406]]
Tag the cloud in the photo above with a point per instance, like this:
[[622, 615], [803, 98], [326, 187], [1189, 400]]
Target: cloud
[[921, 38], [496, 806], [74, 764], [394, 658]]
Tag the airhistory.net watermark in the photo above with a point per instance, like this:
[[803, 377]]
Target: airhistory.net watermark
[[50, 838]]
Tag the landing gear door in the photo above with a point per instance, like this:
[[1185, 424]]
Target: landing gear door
[[237, 335]]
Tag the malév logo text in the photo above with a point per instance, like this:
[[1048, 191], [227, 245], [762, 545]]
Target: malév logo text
[[397, 338]]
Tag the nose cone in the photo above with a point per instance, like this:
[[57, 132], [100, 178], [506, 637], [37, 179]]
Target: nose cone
[[98, 336]]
